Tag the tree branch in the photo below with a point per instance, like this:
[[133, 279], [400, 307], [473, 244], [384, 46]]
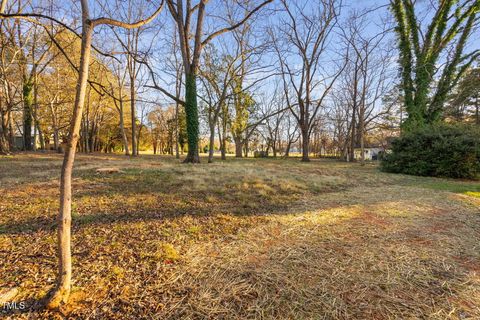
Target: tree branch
[[117, 23], [235, 26]]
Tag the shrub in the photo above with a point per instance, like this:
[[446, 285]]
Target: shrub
[[442, 150]]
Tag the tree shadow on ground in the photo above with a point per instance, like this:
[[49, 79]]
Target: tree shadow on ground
[[139, 195]]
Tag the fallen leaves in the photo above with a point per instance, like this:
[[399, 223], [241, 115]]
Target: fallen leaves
[[238, 240]]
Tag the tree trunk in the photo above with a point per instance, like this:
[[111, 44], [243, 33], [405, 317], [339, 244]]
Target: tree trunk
[[34, 139], [352, 137], [60, 293], [138, 139], [477, 111], [40, 135], [27, 114], [132, 110], [223, 150], [211, 145], [124, 136], [9, 125], [191, 112], [177, 151], [54, 126], [35, 117], [83, 139], [287, 148], [361, 133], [238, 147], [56, 143], [122, 125], [4, 145], [362, 147], [170, 142], [223, 142], [305, 144]]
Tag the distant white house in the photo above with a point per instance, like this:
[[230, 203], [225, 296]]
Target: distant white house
[[371, 153], [19, 142]]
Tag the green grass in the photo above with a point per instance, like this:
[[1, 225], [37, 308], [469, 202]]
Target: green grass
[[449, 185]]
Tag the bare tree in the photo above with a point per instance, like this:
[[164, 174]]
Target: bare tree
[[136, 51], [192, 43], [271, 130], [60, 293], [291, 133], [218, 74], [11, 87], [301, 39], [366, 78]]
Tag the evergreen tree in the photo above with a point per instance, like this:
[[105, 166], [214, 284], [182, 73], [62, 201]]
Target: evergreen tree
[[464, 103]]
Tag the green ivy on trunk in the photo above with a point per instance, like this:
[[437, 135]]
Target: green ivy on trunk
[[27, 113], [420, 52], [191, 112]]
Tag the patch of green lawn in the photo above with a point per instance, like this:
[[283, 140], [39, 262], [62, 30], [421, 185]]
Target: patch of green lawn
[[471, 188]]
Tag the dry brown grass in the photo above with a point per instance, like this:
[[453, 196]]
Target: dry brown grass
[[244, 239]]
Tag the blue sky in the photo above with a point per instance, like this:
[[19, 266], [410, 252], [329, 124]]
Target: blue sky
[[159, 34]]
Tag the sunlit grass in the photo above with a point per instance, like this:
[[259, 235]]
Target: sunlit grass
[[473, 194], [451, 185]]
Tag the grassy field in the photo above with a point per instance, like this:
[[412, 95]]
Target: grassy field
[[242, 239]]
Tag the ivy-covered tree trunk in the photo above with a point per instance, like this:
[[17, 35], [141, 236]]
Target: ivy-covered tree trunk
[[223, 138], [477, 112], [27, 114], [420, 51], [191, 112]]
